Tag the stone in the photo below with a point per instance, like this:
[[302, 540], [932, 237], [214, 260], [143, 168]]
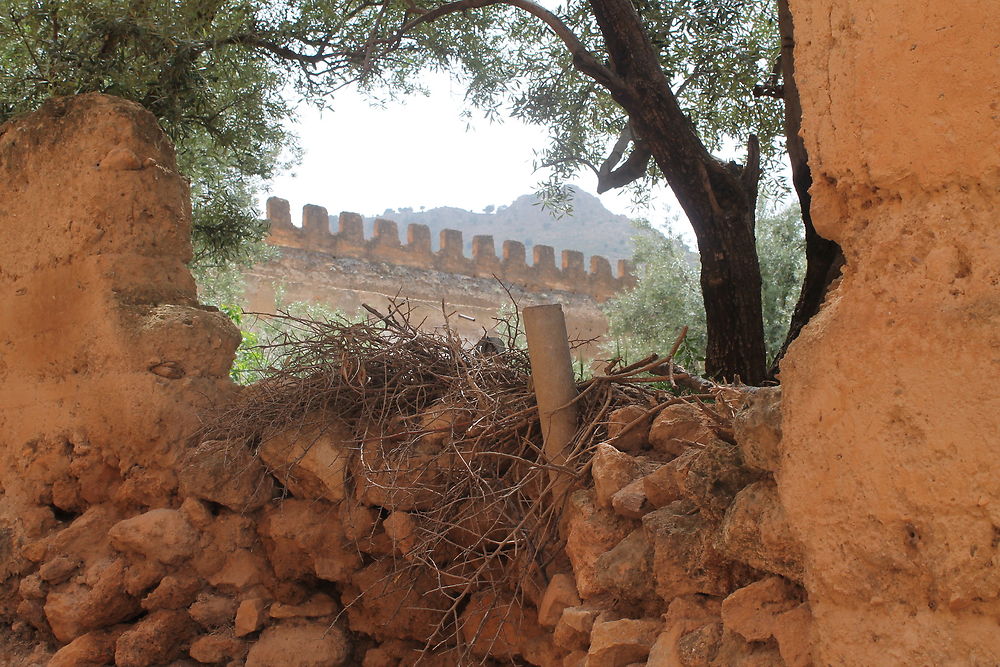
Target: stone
[[320, 604], [164, 535], [677, 427], [591, 531], [699, 647], [402, 530], [711, 476], [213, 611], [559, 594], [661, 486], [384, 602], [77, 608], [757, 429], [241, 570], [156, 639], [305, 538], [173, 592], [58, 570], [613, 470], [618, 643], [684, 615], [250, 616], [31, 587], [756, 531], [298, 643], [217, 648], [227, 473], [636, 439], [310, 460], [685, 558], [94, 649], [752, 611], [631, 501], [793, 631], [495, 626], [626, 571], [142, 575], [573, 629]]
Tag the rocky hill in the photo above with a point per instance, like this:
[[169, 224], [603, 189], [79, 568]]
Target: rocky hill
[[590, 228]]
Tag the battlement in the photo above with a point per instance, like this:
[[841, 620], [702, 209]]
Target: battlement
[[511, 266]]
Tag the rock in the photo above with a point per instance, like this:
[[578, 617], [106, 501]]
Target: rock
[[752, 610], [33, 613], [712, 476], [388, 603], [310, 460], [31, 587], [612, 471], [574, 627], [618, 643], [174, 592], [443, 423], [94, 649], [591, 531], [160, 534], [677, 427], [494, 626], [142, 575], [685, 559], [559, 594], [757, 429], [631, 501], [699, 647], [214, 649], [197, 512], [756, 531], [304, 538], [213, 611], [793, 630], [241, 570], [402, 530], [636, 439], [661, 486], [684, 615], [626, 571], [154, 640], [226, 473], [250, 616], [299, 643], [735, 651], [58, 570], [77, 608], [320, 604]]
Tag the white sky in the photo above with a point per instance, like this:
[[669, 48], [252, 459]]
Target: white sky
[[421, 152]]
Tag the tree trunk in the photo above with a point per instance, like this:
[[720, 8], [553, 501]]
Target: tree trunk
[[823, 257], [718, 199]]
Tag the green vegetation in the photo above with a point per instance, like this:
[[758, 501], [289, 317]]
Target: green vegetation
[[667, 296]]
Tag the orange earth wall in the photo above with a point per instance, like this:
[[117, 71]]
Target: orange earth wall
[[890, 471]]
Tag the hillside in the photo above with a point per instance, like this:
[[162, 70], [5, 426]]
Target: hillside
[[591, 228]]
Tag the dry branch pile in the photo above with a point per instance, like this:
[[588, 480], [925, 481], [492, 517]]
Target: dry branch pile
[[443, 439]]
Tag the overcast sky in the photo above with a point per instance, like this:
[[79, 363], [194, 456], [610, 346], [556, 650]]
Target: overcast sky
[[420, 152]]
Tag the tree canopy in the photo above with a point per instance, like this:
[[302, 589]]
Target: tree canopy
[[633, 90]]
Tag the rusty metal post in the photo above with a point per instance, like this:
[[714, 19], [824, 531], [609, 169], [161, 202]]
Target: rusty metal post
[[552, 376]]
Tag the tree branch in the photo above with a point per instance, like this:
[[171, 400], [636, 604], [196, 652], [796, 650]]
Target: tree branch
[[634, 167], [583, 59]]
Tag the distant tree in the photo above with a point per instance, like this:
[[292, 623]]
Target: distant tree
[[667, 295], [489, 209]]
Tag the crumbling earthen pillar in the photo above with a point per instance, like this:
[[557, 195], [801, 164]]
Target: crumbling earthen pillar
[[889, 469]]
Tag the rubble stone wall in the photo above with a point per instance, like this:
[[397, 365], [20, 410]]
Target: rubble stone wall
[[889, 470]]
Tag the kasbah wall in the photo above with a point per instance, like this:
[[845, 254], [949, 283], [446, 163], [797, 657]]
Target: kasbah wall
[[344, 270], [851, 517]]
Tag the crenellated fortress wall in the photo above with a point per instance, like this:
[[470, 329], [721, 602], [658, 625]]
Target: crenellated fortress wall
[[343, 269]]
